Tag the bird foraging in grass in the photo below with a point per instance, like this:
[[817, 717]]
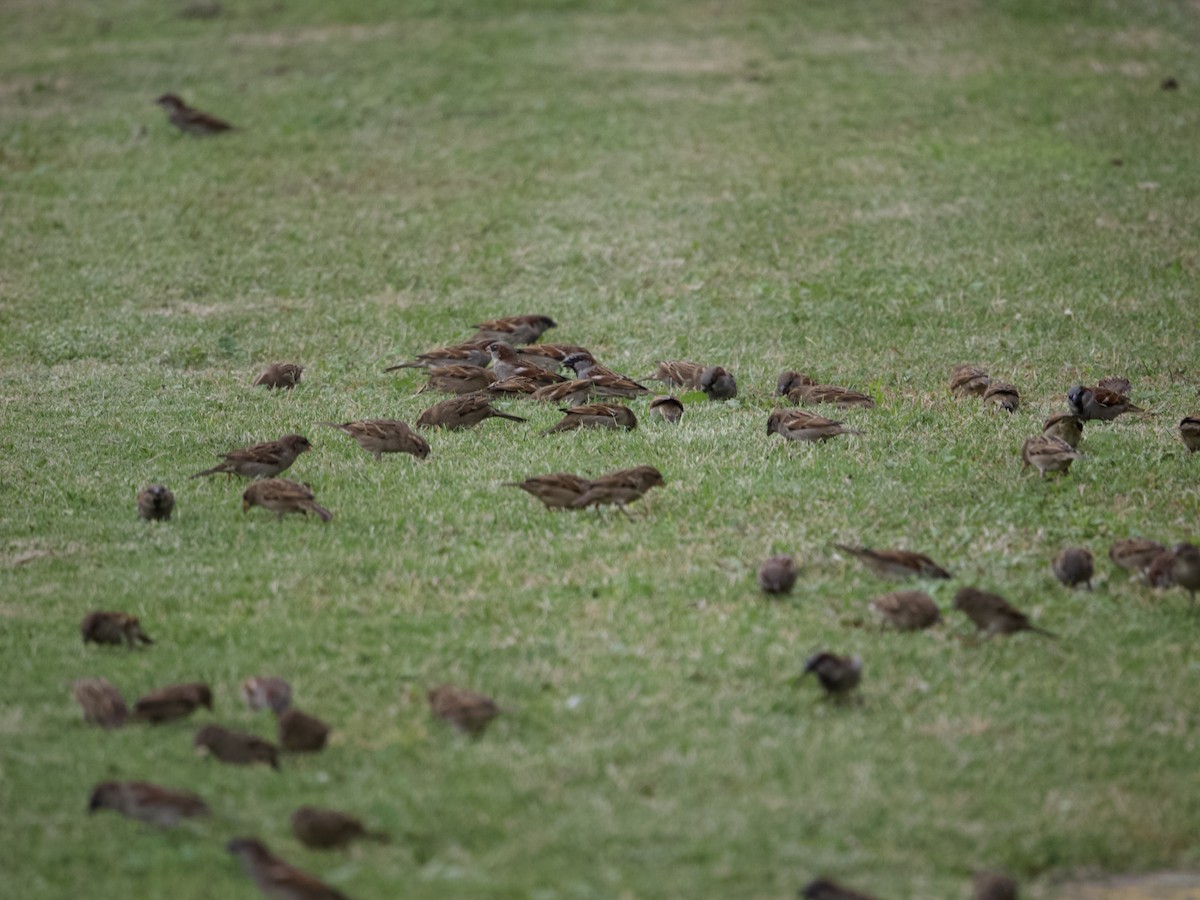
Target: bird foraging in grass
[[146, 802], [1189, 433], [1185, 568], [466, 710], [190, 120], [281, 496], [265, 460], [669, 409], [462, 412], [896, 563], [155, 502], [1003, 396], [283, 376], [557, 491], [907, 610], [115, 628], [380, 436], [1067, 427], [1098, 403], [460, 380], [1074, 566], [266, 692], [825, 889], [838, 675], [595, 415], [329, 829], [619, 488], [1048, 454], [1134, 554], [777, 575], [992, 614], [176, 701], [468, 353], [968, 381], [507, 364], [515, 329], [235, 747], [300, 732], [993, 886], [276, 879], [100, 702], [801, 425]]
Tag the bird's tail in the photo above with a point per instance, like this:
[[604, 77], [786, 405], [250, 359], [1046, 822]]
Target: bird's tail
[[403, 365], [217, 469], [504, 415], [1043, 632]]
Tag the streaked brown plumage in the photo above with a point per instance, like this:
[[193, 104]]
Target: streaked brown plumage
[[468, 353], [816, 394], [105, 627], [380, 436], [155, 502], [825, 889], [557, 491], [992, 614], [1074, 566], [235, 747], [838, 675], [801, 425], [190, 120], [466, 710], [595, 415], [669, 409], [1158, 573], [968, 381], [1134, 554], [462, 412], [1185, 568], [907, 610], [896, 563], [100, 702], [1067, 427], [176, 701], [777, 575], [573, 393], [328, 829], [276, 879], [1048, 454], [1003, 396], [300, 732], [678, 373], [457, 379], [515, 329], [717, 383], [1115, 383], [280, 496], [789, 381], [517, 386], [265, 460], [549, 356], [1097, 403], [1189, 432], [507, 364], [620, 488], [284, 376], [266, 692], [146, 802], [605, 382]]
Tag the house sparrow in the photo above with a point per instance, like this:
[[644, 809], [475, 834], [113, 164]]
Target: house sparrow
[[265, 460], [517, 386], [824, 889], [279, 375], [838, 675], [556, 491], [281, 496], [146, 802], [678, 373], [101, 703], [907, 610], [1189, 432], [896, 563], [506, 364], [267, 692], [155, 502], [1003, 396], [777, 575], [467, 711], [327, 829], [176, 701], [993, 886], [276, 879], [1067, 427], [380, 436], [717, 383], [573, 393], [1048, 454], [1185, 568], [788, 381], [457, 379], [1134, 554], [549, 356], [799, 425], [1074, 566], [462, 412], [1116, 384], [468, 353], [620, 487], [300, 732], [605, 381], [595, 415], [515, 329], [189, 120], [992, 613], [1158, 574], [116, 628], [1098, 403], [235, 747], [816, 394], [1169, 84], [968, 381], [669, 409]]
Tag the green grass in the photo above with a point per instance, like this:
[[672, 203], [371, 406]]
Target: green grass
[[870, 191]]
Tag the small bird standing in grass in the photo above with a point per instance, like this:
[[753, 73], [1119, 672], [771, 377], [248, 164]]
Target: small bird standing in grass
[[265, 460], [1185, 568], [838, 675], [235, 747], [190, 120], [1135, 554], [329, 829], [281, 496], [176, 701], [281, 376], [907, 610], [155, 502], [1048, 454], [267, 692], [801, 425], [1067, 427], [276, 879], [968, 381], [1099, 403], [466, 710], [1002, 396], [146, 802], [300, 732], [595, 415], [380, 436], [558, 490], [1189, 433], [115, 628], [466, 411], [669, 409], [619, 488], [896, 563], [777, 575], [992, 614], [1074, 566], [515, 329], [100, 702]]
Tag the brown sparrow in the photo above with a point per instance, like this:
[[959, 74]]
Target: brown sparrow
[[620, 487], [907, 610], [838, 675], [595, 415], [328, 829], [717, 383], [467, 711], [1134, 554], [457, 379], [279, 375], [1067, 427], [1116, 384], [281, 496], [267, 692], [605, 381], [777, 575], [824, 889], [678, 373], [102, 627], [992, 613], [896, 563], [1185, 568], [146, 802], [265, 460], [380, 436], [515, 329], [1158, 574], [1189, 432], [1048, 454], [1003, 396], [549, 356], [235, 747], [669, 409], [274, 878], [300, 732], [176, 701], [573, 393], [189, 120], [462, 412], [1074, 566], [968, 381], [816, 394], [800, 425], [556, 491], [155, 502], [101, 703], [468, 353], [506, 364], [993, 886], [1098, 403], [517, 386]]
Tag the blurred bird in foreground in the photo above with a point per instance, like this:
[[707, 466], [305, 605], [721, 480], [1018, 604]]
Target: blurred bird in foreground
[[326, 829], [235, 747], [176, 701], [106, 627], [300, 732], [146, 802], [276, 879], [1074, 566], [155, 502]]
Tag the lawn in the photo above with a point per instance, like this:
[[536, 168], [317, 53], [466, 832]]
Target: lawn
[[870, 192]]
